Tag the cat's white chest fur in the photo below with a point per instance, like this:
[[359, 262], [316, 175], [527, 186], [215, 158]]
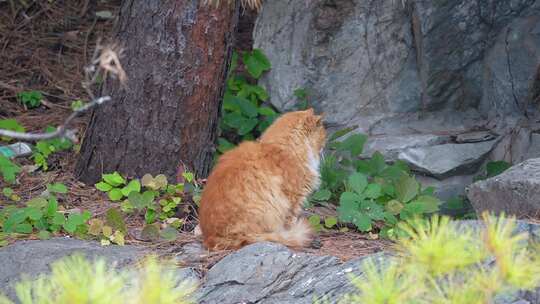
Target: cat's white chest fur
[[314, 162]]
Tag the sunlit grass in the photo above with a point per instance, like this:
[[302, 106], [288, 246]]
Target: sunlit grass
[[75, 280], [442, 263]]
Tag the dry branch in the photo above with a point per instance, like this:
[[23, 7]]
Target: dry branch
[[105, 61]]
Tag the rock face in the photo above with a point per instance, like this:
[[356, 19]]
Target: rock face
[[34, 257], [412, 74], [368, 60], [515, 191], [271, 273]]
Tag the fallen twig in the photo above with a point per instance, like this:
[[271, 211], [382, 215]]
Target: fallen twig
[[104, 61], [62, 130]]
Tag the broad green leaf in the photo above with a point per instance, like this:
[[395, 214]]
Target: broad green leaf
[[267, 111], [57, 188], [233, 120], [150, 233], [38, 202], [8, 192], [314, 220], [256, 63], [377, 163], [229, 103], [188, 176], [362, 222], [44, 235], [247, 108], [103, 186], [373, 191], [347, 210], [115, 194], [374, 211], [354, 144], [8, 169], [394, 207], [150, 216], [113, 179], [115, 219], [224, 145], [406, 189], [247, 125], [429, 204], [321, 195], [126, 206], [357, 182], [52, 207], [137, 200], [34, 213], [132, 186], [330, 222], [350, 197], [59, 219], [23, 228], [161, 182]]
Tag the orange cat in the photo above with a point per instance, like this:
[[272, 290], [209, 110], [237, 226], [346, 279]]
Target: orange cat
[[256, 191]]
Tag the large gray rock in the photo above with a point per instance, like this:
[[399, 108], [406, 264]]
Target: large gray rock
[[271, 273], [515, 191], [34, 257], [447, 160]]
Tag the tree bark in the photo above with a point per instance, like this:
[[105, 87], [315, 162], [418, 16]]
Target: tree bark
[[176, 57]]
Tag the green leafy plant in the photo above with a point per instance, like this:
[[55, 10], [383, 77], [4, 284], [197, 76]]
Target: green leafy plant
[[44, 148], [439, 262], [493, 169], [370, 191], [302, 99], [77, 104], [152, 197], [8, 169], [31, 99], [244, 114], [43, 216], [74, 279]]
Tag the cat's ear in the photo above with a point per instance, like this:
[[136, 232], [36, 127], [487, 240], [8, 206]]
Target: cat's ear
[[310, 111]]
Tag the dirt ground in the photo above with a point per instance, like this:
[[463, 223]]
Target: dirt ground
[[44, 46]]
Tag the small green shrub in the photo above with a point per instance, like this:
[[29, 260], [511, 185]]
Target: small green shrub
[[369, 190], [152, 196], [244, 114], [31, 99], [8, 169], [437, 262], [493, 169], [45, 148], [43, 216], [76, 280]]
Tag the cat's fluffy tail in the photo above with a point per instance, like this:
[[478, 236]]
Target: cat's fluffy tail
[[297, 236]]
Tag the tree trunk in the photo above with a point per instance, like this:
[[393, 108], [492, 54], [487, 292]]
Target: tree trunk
[[176, 57]]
